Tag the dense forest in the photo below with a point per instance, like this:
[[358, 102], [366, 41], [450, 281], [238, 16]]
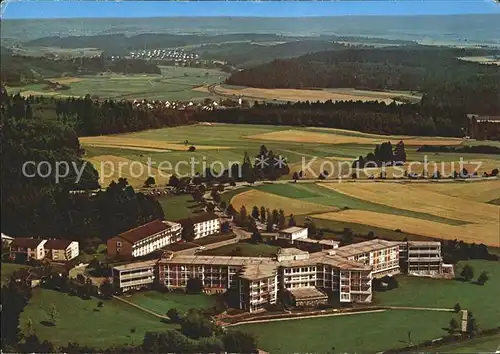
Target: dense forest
[[444, 79], [44, 206], [88, 116], [370, 117], [20, 70]]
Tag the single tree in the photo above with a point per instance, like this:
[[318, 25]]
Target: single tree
[[100, 304], [29, 327], [174, 315], [457, 307], [243, 217], [269, 222], [483, 278], [467, 273], [471, 323], [187, 232], [256, 237], [192, 149], [52, 314], [291, 221], [255, 212], [150, 181], [263, 214], [173, 181], [281, 220], [453, 326], [106, 289]]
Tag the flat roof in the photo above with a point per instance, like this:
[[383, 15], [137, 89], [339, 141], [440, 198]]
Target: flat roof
[[291, 252], [136, 265], [259, 271], [307, 293], [217, 260], [423, 243], [364, 247], [292, 229], [57, 244], [320, 242]]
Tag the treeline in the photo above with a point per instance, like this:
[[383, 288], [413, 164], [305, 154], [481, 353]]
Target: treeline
[[370, 117], [468, 149], [19, 70], [41, 162], [88, 116], [446, 80]]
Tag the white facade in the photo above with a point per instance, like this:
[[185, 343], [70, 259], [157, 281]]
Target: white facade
[[134, 276], [73, 250], [293, 233], [207, 228], [159, 240]]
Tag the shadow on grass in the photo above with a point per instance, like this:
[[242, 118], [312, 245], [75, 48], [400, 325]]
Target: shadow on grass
[[47, 323]]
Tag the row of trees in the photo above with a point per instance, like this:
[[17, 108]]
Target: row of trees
[[467, 274]]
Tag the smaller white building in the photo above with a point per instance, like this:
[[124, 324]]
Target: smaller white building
[[293, 233], [205, 224]]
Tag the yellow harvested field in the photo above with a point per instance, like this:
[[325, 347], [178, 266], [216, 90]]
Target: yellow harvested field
[[335, 166], [117, 141], [306, 95], [477, 191], [445, 168], [479, 233], [304, 136], [112, 167], [403, 196], [65, 80], [273, 201], [41, 93]]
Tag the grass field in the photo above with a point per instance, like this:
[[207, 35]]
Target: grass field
[[361, 333], [162, 302], [489, 344], [244, 249], [178, 207], [8, 269], [81, 321], [425, 292], [341, 94], [273, 201], [174, 83]]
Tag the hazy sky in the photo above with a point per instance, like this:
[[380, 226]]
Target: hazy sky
[[65, 9]]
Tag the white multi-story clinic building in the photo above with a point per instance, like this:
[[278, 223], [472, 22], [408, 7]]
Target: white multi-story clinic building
[[144, 239], [344, 272]]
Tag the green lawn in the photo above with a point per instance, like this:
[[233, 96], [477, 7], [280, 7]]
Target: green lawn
[[367, 333], [161, 302], [483, 344], [178, 207], [481, 300], [81, 320], [8, 269], [320, 195], [244, 249]]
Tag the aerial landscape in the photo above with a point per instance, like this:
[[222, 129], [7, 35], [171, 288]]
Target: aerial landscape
[[219, 177]]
